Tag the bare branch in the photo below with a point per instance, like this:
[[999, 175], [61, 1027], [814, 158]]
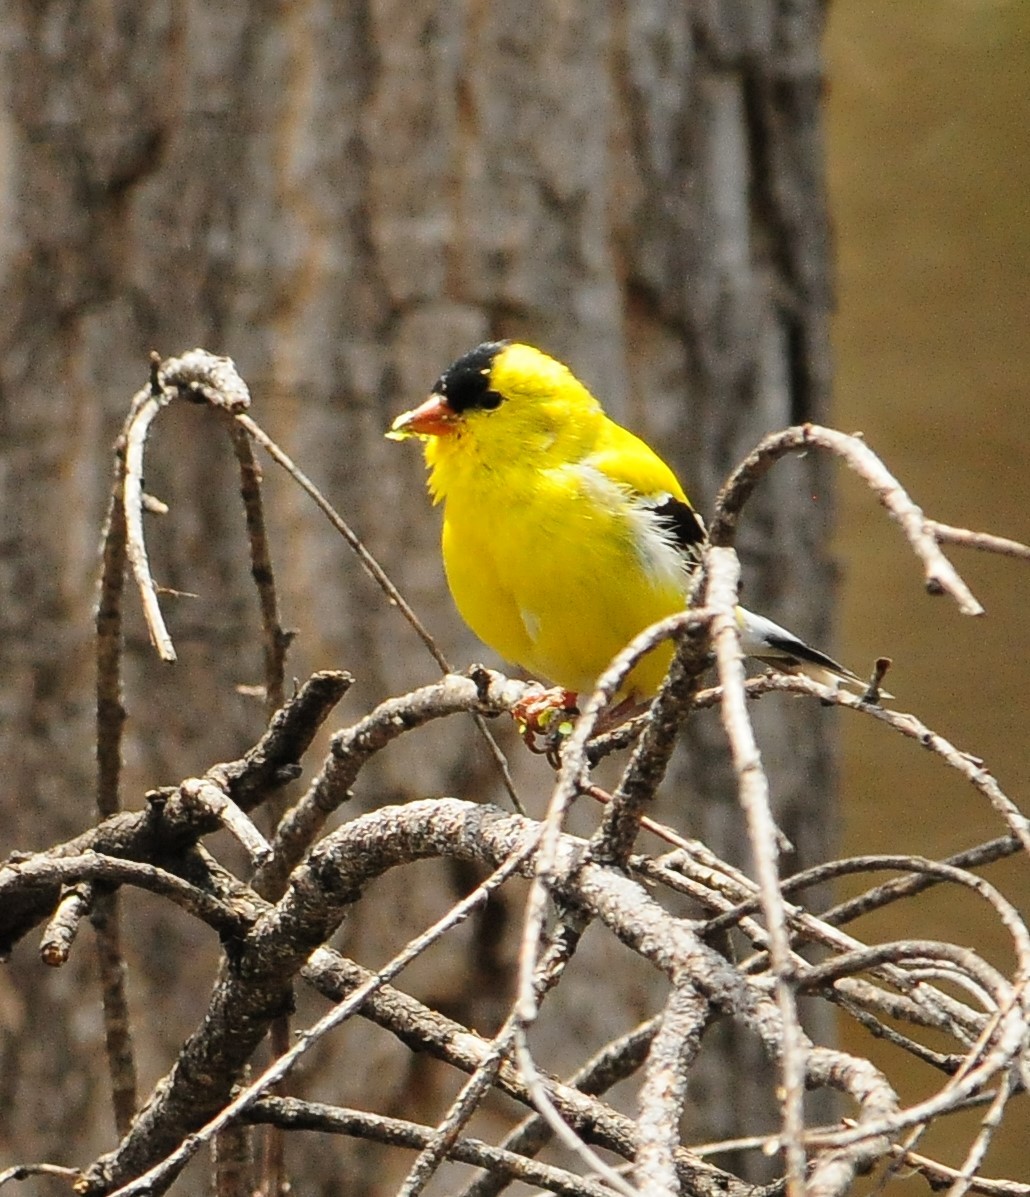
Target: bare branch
[[941, 576], [753, 792], [301, 1115], [136, 431], [170, 824], [24, 1171], [613, 1063], [665, 1089], [75, 904], [276, 929], [940, 1174], [615, 837], [480, 691], [946, 534], [274, 639], [47, 872], [239, 1014], [972, 768], [907, 887], [563, 944], [428, 1030]]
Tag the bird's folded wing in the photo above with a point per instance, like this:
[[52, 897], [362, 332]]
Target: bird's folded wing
[[649, 484]]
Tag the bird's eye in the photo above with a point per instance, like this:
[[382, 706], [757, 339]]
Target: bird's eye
[[490, 400]]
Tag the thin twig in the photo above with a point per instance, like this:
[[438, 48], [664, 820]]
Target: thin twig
[[753, 793], [573, 770], [916, 951], [990, 1123], [110, 725], [121, 1058], [395, 1132], [970, 767], [136, 432], [564, 942], [110, 714], [946, 534], [274, 640], [480, 691], [906, 887], [920, 867], [939, 1175], [616, 1061], [24, 1171], [416, 1024], [623, 818], [1007, 1030], [232, 1163], [208, 797], [46, 871], [571, 776], [367, 561], [941, 576], [724, 890]]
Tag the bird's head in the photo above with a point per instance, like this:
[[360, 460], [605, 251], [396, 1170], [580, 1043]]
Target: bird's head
[[500, 400]]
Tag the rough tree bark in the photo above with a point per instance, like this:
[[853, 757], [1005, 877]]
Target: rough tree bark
[[342, 198]]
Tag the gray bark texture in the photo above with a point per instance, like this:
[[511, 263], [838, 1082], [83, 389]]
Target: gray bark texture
[[342, 198]]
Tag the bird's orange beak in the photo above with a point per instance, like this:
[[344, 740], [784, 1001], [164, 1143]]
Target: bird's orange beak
[[435, 417]]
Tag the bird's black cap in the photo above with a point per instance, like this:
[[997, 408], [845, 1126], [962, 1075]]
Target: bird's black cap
[[465, 384]]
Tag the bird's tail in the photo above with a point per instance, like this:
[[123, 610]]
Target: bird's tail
[[768, 642]]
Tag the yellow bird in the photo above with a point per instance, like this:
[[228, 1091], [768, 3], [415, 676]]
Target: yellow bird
[[564, 535]]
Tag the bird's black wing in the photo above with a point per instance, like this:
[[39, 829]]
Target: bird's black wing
[[682, 525]]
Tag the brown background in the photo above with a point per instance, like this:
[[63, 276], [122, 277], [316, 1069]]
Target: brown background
[[930, 191]]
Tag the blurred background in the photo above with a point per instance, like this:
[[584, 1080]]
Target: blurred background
[[726, 217], [930, 193]]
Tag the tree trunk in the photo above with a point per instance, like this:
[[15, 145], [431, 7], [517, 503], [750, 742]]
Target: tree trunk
[[343, 198]]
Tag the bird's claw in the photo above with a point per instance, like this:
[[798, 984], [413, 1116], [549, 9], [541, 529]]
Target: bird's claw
[[545, 719]]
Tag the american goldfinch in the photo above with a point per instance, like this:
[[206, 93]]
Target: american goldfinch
[[564, 535]]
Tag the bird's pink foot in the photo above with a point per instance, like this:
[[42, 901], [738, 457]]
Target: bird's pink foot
[[548, 714]]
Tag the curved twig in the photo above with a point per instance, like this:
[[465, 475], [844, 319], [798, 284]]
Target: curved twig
[[481, 691], [47, 872], [136, 431], [941, 575]]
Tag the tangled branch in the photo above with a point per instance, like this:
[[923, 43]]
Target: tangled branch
[[939, 1002]]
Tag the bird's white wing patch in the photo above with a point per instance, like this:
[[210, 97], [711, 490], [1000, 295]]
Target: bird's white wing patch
[[654, 542]]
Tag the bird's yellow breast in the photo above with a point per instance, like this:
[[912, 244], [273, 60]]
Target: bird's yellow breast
[[555, 577]]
